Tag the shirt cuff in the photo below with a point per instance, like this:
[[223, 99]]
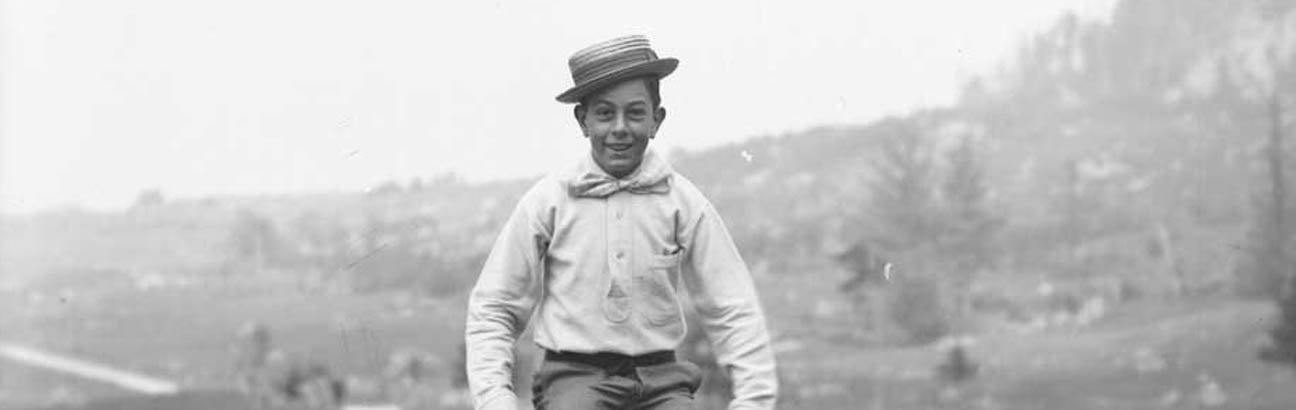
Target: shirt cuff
[[500, 400]]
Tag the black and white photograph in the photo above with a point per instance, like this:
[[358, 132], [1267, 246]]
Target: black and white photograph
[[664, 205]]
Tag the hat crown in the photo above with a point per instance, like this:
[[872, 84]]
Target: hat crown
[[610, 60], [611, 55]]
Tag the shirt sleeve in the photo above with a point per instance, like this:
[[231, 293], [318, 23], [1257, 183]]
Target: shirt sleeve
[[500, 305], [725, 298]]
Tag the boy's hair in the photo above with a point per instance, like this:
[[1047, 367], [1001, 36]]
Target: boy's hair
[[652, 82]]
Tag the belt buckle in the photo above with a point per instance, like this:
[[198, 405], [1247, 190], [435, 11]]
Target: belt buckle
[[625, 367]]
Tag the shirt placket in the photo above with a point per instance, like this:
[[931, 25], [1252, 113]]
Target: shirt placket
[[619, 258]]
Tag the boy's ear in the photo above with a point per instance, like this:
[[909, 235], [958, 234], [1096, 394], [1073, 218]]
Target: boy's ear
[[579, 112], [659, 116]]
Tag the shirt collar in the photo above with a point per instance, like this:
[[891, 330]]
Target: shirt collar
[[652, 165]]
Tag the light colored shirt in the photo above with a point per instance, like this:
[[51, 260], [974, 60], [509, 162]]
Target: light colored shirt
[[601, 272]]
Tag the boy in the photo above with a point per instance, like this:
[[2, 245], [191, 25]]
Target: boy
[[597, 253]]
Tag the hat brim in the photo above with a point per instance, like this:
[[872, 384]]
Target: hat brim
[[660, 68]]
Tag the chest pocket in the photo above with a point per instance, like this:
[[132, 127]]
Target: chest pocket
[[658, 302]]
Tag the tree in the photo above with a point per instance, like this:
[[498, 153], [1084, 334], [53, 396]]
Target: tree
[[958, 366], [1282, 338], [415, 185], [902, 191], [1275, 257], [255, 241], [149, 198], [903, 211], [1271, 257], [1266, 269], [967, 226], [1269, 236], [1075, 205], [388, 188], [870, 272], [323, 243]]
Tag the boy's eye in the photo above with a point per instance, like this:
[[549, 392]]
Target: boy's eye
[[603, 112]]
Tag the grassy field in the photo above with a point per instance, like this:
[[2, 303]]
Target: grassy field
[[187, 334], [1148, 356], [188, 400], [1145, 355]]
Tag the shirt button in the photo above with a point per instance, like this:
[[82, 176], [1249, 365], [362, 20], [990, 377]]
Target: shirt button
[[618, 214], [620, 255]]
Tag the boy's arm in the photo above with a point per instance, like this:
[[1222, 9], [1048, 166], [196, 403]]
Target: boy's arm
[[730, 312], [499, 307]]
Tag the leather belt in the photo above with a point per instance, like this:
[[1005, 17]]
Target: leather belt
[[613, 362]]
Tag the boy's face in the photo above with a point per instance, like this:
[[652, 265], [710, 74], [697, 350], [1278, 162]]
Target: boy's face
[[619, 121]]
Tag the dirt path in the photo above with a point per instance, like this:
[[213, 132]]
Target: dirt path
[[86, 369]]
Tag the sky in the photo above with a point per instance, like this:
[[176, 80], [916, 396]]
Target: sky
[[101, 100]]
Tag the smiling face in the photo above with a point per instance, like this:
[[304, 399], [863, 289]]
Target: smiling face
[[619, 121]]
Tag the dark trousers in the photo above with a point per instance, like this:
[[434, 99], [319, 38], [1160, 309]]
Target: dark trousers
[[606, 381]]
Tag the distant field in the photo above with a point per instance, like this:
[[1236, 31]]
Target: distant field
[[1181, 348], [185, 335], [189, 400]]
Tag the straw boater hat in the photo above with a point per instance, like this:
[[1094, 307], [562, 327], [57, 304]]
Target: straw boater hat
[[608, 62]]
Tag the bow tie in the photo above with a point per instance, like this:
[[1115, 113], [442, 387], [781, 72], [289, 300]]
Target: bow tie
[[594, 185], [652, 177]]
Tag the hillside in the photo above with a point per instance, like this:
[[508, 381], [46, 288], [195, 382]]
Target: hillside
[[1112, 172], [1154, 117]]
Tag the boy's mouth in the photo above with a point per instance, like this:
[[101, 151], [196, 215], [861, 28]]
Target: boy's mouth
[[619, 147]]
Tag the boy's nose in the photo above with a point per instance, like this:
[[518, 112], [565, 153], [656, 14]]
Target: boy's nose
[[619, 130], [619, 125]]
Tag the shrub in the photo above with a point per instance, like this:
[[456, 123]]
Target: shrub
[[917, 309]]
